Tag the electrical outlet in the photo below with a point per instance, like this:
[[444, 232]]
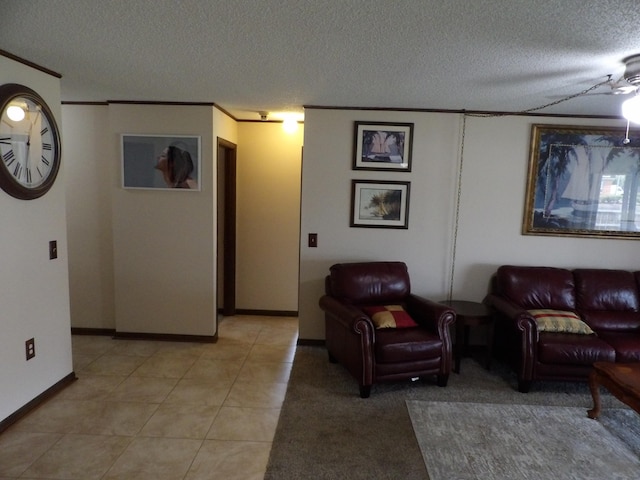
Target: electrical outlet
[[53, 249], [30, 347]]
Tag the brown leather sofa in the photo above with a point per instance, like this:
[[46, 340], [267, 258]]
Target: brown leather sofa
[[375, 355], [608, 301]]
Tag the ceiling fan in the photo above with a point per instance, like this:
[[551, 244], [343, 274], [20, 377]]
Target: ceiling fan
[[630, 80]]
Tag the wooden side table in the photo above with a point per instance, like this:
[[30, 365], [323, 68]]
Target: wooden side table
[[470, 314]]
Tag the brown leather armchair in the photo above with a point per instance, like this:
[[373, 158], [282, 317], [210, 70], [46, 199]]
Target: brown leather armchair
[[373, 354]]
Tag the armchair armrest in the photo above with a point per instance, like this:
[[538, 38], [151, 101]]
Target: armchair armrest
[[432, 315], [349, 338], [348, 316]]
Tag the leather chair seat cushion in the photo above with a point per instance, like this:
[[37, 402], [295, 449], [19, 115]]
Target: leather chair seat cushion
[[570, 348], [406, 345], [626, 345]]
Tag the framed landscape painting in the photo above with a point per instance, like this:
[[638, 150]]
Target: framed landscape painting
[[382, 146], [583, 181], [164, 162], [379, 204]]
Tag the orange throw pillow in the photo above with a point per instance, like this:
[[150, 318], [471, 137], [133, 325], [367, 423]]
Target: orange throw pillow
[[390, 316]]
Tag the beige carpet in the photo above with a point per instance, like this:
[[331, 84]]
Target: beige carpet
[[473, 441]]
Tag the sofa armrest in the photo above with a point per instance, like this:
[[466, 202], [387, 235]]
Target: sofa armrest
[[520, 319], [509, 310]]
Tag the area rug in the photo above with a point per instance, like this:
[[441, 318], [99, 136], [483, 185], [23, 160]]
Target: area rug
[[473, 441]]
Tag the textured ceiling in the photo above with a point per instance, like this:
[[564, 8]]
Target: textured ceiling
[[277, 55]]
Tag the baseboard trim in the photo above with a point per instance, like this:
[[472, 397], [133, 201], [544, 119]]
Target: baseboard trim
[[166, 337], [310, 342], [44, 396], [267, 313], [110, 332]]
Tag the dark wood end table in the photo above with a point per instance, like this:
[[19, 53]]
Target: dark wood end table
[[470, 314], [621, 379]]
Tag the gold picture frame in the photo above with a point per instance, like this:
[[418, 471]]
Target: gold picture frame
[[583, 181]]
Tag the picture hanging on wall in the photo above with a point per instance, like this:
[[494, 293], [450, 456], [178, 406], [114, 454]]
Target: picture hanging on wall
[[383, 146], [583, 181], [380, 204], [161, 162]]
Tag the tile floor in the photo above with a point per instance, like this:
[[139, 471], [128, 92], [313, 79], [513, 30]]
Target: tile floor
[[149, 410]]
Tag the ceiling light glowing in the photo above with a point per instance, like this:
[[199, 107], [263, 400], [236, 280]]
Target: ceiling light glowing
[[290, 125], [631, 109], [15, 113]]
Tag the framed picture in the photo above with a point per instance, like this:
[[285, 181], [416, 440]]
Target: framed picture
[[583, 181], [383, 146], [161, 162], [379, 204]]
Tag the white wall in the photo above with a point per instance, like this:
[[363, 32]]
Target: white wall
[[34, 291], [90, 169], [496, 154], [268, 217], [269, 163], [163, 241]]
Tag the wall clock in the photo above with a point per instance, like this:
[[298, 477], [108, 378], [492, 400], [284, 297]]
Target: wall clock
[[29, 143]]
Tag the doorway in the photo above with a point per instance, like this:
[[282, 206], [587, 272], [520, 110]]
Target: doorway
[[226, 228]]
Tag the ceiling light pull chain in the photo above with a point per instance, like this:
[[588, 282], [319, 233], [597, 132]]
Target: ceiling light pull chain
[[579, 94], [626, 140], [551, 104], [457, 214]]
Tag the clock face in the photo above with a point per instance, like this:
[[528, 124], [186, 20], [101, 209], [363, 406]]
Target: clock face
[[29, 143]]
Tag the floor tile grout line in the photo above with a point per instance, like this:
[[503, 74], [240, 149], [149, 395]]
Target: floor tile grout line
[[256, 340]]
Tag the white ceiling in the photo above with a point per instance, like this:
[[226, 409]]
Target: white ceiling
[[278, 55]]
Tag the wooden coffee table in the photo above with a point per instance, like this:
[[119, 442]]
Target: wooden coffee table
[[621, 379]]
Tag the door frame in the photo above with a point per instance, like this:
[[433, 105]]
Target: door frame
[[227, 154]]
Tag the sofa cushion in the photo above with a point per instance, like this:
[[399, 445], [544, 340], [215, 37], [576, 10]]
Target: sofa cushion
[[570, 349], [626, 345], [611, 320], [390, 316], [560, 321], [537, 287], [610, 290]]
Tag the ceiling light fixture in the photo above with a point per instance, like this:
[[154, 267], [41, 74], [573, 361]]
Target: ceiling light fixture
[[15, 113], [290, 125], [631, 107]]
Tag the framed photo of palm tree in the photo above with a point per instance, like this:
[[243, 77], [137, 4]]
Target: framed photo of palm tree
[[380, 204], [382, 146], [583, 181]]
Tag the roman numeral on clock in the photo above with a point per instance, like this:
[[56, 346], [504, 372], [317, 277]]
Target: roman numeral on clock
[[9, 157], [46, 146], [44, 130]]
